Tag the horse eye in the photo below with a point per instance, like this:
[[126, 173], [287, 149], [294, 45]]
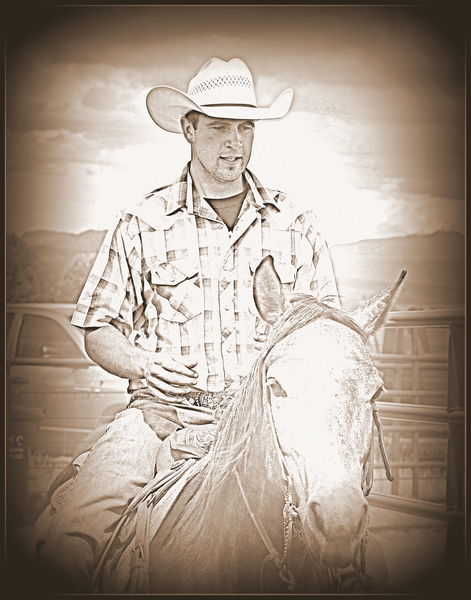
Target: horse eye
[[275, 388]]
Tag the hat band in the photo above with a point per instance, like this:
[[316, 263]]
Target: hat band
[[231, 104]]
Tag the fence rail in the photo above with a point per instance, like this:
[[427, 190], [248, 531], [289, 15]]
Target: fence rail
[[414, 412], [409, 358], [412, 506], [425, 318]]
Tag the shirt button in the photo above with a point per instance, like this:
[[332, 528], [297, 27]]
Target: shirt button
[[229, 349], [220, 226], [227, 308]]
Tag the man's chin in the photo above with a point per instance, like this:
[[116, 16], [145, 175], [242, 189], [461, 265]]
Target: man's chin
[[228, 175]]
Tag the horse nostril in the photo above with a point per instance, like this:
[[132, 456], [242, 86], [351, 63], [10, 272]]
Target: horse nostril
[[333, 514]]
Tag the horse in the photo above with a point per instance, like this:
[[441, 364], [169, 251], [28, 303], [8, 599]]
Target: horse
[[279, 503]]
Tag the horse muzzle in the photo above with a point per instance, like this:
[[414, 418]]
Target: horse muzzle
[[338, 552], [335, 525]]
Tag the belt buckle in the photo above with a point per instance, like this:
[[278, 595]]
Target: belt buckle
[[208, 400]]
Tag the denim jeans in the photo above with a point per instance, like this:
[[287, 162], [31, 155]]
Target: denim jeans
[[118, 465], [73, 530]]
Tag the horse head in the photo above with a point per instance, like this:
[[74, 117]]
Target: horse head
[[321, 382]]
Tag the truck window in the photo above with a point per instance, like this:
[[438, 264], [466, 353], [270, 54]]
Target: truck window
[[41, 337]]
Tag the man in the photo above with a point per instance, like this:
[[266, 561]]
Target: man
[[168, 303]]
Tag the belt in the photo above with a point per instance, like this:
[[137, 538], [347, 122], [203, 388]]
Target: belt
[[210, 400]]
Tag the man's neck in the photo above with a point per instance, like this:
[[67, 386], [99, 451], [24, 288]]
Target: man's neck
[[209, 187]]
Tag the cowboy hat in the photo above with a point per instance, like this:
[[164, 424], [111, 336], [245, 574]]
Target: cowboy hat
[[221, 89]]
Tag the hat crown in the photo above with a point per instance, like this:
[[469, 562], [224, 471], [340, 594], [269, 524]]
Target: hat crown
[[223, 82]]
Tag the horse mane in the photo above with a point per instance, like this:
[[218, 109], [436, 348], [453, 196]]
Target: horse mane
[[242, 432]]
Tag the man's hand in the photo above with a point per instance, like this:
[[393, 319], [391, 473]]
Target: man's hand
[[260, 337], [169, 376]]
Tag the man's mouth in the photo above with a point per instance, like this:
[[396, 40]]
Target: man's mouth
[[231, 159]]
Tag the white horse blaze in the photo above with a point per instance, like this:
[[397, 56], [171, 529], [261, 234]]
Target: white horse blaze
[[329, 378]]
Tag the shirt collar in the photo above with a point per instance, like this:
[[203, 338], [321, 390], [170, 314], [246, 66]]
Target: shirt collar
[[260, 196], [181, 195]]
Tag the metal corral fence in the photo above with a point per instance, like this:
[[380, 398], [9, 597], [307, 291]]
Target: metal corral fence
[[424, 419]]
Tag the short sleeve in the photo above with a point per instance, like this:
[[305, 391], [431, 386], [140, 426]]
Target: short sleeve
[[316, 273], [109, 293]]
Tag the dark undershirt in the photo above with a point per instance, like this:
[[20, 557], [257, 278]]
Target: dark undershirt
[[228, 209]]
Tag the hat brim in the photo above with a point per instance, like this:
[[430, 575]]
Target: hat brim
[[167, 105]]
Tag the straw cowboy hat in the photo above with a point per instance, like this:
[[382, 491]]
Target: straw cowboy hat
[[222, 89]]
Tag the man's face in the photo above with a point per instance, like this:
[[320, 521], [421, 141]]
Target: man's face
[[222, 147]]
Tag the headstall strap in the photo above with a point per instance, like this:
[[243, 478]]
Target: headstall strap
[[368, 468], [358, 581], [279, 560], [379, 428]]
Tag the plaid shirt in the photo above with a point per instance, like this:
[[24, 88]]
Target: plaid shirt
[[172, 278]]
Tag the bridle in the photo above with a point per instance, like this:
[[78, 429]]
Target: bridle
[[290, 514]]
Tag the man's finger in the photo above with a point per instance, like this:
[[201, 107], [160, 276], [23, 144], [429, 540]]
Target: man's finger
[[172, 377], [260, 338], [172, 365], [166, 388], [186, 360]]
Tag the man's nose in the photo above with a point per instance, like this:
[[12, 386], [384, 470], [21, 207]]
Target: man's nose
[[233, 139]]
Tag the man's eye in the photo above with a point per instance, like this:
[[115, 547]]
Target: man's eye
[[275, 388]]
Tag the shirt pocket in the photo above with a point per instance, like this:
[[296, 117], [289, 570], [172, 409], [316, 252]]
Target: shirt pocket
[[177, 291], [282, 244]]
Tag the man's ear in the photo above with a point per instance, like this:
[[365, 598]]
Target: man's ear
[[267, 291], [187, 129]]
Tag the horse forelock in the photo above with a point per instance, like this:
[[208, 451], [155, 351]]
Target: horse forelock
[[243, 432]]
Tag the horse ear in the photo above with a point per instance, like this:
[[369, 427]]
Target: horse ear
[[372, 313], [268, 291]]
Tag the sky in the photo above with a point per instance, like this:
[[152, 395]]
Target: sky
[[374, 141]]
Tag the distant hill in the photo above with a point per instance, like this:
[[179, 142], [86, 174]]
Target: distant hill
[[78, 242], [434, 264], [50, 266]]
